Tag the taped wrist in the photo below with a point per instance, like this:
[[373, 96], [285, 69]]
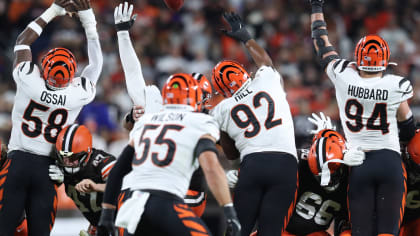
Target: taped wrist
[[407, 129], [53, 11], [87, 17], [203, 145]]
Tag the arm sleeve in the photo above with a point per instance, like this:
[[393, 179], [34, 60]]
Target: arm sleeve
[[132, 69], [120, 169], [93, 70]]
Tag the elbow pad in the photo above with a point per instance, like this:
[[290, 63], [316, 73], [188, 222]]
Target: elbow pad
[[407, 129], [203, 145]]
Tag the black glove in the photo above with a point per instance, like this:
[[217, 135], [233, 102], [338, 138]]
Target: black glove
[[238, 28], [123, 16], [106, 225], [316, 5], [233, 225]]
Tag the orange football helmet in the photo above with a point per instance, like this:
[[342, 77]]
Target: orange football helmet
[[58, 68], [333, 135], [228, 76], [182, 88], [372, 54], [413, 147], [74, 147], [205, 86]]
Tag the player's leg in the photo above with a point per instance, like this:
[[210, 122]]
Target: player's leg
[[22, 229], [178, 219], [361, 197], [248, 193], [124, 195], [391, 192], [13, 185], [410, 228], [278, 202], [41, 205]]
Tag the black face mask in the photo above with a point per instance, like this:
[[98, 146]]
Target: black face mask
[[76, 159]]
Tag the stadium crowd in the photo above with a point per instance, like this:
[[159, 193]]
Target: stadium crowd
[[191, 41]]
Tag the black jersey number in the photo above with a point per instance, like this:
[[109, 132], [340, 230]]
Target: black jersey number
[[252, 119], [56, 120], [379, 112], [160, 140]]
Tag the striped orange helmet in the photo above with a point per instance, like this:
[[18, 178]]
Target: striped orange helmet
[[58, 68], [182, 88], [228, 76], [205, 86], [333, 135], [413, 147], [323, 150], [372, 54], [74, 146]]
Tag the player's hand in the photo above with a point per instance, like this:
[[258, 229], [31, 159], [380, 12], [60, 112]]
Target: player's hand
[[233, 225], [316, 5], [137, 112], [232, 178], [321, 122], [123, 16], [81, 5], [60, 6], [106, 225], [85, 186], [56, 174], [354, 157], [238, 30]]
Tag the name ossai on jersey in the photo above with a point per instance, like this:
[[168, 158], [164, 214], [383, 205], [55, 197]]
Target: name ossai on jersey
[[367, 93], [52, 98]]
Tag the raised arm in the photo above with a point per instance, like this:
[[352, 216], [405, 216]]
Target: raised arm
[[87, 17], [130, 63], [239, 33], [34, 29], [325, 51]]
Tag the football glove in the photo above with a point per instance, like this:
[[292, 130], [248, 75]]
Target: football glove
[[232, 178], [56, 174], [321, 122], [238, 31], [316, 5], [232, 221], [106, 225], [123, 18], [354, 156]]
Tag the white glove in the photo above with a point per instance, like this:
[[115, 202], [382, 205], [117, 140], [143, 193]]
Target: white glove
[[323, 122], [232, 177], [56, 174], [354, 156], [123, 18]]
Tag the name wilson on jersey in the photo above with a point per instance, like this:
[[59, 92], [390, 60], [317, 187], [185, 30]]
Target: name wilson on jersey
[[168, 117], [55, 99], [367, 93]]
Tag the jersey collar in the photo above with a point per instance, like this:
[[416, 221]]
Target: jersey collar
[[180, 107]]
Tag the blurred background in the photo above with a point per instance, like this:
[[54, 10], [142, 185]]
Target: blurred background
[[190, 40]]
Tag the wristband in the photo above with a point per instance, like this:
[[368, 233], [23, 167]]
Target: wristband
[[87, 17], [21, 47], [53, 11], [35, 27]]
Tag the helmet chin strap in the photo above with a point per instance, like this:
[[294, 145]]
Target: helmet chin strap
[[326, 174]]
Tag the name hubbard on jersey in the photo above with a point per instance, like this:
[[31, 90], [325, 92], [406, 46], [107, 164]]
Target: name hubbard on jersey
[[55, 99], [367, 93]]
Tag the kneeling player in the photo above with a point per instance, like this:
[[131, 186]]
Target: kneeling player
[[84, 171]]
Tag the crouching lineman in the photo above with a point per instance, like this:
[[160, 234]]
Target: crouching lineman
[[83, 170], [161, 160], [411, 221], [21, 229]]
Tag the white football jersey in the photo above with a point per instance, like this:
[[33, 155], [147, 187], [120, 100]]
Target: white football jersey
[[164, 144], [368, 106], [258, 116], [40, 113], [153, 99]]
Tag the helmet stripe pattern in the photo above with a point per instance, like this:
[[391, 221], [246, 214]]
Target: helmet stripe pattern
[[58, 68], [68, 138], [228, 76], [372, 54], [182, 89]]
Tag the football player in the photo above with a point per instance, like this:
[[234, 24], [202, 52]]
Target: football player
[[256, 116], [47, 99], [411, 156], [317, 206], [373, 107], [22, 228], [161, 161], [83, 170], [147, 99]]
